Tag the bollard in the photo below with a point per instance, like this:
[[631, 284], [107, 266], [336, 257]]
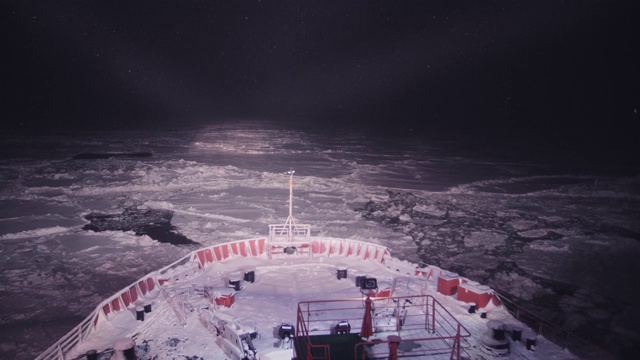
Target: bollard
[[250, 276], [92, 355], [516, 334], [531, 344], [472, 308], [341, 274], [124, 349]]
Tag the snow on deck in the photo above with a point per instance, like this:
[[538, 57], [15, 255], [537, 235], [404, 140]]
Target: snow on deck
[[184, 330]]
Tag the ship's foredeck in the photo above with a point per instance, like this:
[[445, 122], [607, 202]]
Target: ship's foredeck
[[182, 321]]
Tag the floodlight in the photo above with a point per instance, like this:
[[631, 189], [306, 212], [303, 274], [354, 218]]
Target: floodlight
[[369, 284]]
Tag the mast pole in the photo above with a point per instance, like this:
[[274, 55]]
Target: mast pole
[[290, 220]]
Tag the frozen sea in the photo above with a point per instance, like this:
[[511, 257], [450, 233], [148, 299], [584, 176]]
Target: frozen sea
[[83, 214]]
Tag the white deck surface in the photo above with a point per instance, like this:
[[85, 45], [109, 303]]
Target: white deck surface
[[279, 286]]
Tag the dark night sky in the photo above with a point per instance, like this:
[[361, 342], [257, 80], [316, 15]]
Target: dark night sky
[[556, 68]]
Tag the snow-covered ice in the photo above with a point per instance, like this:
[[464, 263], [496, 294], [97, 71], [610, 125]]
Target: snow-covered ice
[[566, 243]]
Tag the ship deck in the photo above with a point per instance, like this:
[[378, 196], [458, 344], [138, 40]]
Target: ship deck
[[178, 325]]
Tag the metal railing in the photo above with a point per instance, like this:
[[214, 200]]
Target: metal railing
[[302, 334], [421, 319], [69, 341]]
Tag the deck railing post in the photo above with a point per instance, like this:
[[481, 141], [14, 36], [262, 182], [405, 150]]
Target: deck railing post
[[433, 315], [398, 315], [457, 342], [394, 341], [426, 315]]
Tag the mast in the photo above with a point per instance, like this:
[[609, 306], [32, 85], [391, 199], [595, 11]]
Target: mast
[[290, 221], [290, 229]]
